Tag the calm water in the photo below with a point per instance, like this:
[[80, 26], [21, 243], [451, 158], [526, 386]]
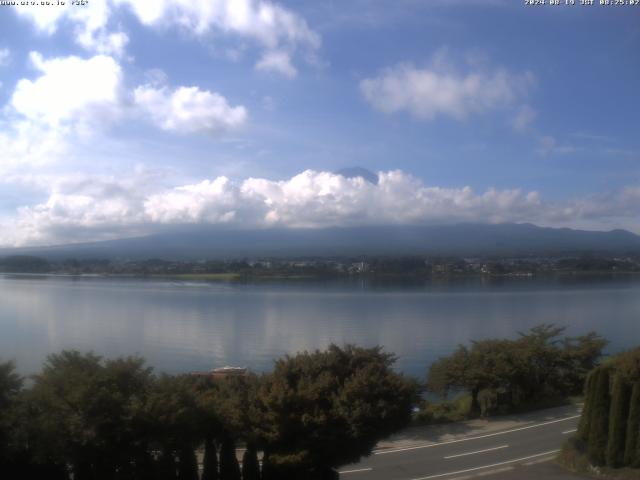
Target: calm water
[[190, 326]]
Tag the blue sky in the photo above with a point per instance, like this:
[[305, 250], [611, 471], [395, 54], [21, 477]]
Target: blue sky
[[123, 117]]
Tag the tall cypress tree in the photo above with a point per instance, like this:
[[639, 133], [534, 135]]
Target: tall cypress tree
[[599, 422], [585, 419], [250, 466], [266, 472], [166, 466], [188, 466], [229, 467], [210, 461], [632, 448], [618, 416]]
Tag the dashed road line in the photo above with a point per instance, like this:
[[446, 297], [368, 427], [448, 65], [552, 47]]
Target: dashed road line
[[477, 451], [567, 432], [440, 475], [431, 445], [493, 472], [357, 470]]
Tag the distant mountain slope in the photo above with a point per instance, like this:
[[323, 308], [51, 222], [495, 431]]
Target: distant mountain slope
[[461, 239]]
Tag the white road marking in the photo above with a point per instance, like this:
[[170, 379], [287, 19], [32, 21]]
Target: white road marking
[[541, 460], [431, 445], [477, 451], [487, 466], [493, 472], [355, 471], [566, 432]]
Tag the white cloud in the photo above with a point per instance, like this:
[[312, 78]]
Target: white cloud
[[72, 99], [94, 208], [268, 22], [5, 57], [28, 144], [277, 61], [90, 24], [98, 208], [188, 109], [275, 28], [71, 91], [69, 100], [439, 90]]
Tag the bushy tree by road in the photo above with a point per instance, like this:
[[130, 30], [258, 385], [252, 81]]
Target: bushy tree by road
[[324, 409], [500, 374]]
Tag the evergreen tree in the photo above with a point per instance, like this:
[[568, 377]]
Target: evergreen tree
[[210, 461], [10, 386], [188, 466], [585, 418], [618, 416], [632, 447], [599, 423], [250, 465], [229, 467]]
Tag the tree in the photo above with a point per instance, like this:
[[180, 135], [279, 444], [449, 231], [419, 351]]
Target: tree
[[585, 419], [599, 422], [506, 373], [632, 448], [250, 465], [10, 386], [210, 460], [87, 413], [329, 408], [174, 420], [618, 417], [580, 356], [188, 465], [229, 467]]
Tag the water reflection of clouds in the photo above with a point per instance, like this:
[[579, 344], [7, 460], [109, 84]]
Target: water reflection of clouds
[[180, 328]]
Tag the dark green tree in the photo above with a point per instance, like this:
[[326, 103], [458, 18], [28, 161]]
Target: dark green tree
[[599, 422], [580, 355], [329, 408], [538, 365], [87, 412], [210, 460], [188, 464], [618, 418], [174, 421], [250, 465], [584, 425], [166, 467], [10, 387], [632, 447], [229, 466]]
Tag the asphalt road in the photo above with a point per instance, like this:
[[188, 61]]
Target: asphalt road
[[466, 457]]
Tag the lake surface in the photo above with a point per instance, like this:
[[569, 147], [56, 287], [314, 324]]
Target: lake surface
[[182, 326]]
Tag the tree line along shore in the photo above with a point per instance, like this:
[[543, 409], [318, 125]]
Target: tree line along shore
[[326, 267]]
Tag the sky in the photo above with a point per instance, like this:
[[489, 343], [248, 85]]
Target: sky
[[122, 118]]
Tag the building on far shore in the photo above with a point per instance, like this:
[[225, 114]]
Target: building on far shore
[[222, 372]]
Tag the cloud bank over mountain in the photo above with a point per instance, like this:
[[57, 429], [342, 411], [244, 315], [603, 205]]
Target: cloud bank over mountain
[[83, 209]]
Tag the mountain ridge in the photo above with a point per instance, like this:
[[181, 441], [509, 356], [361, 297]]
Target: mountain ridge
[[457, 239]]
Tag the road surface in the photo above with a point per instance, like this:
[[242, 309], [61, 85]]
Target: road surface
[[481, 452]]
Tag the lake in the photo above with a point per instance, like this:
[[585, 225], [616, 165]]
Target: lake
[[184, 326]]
